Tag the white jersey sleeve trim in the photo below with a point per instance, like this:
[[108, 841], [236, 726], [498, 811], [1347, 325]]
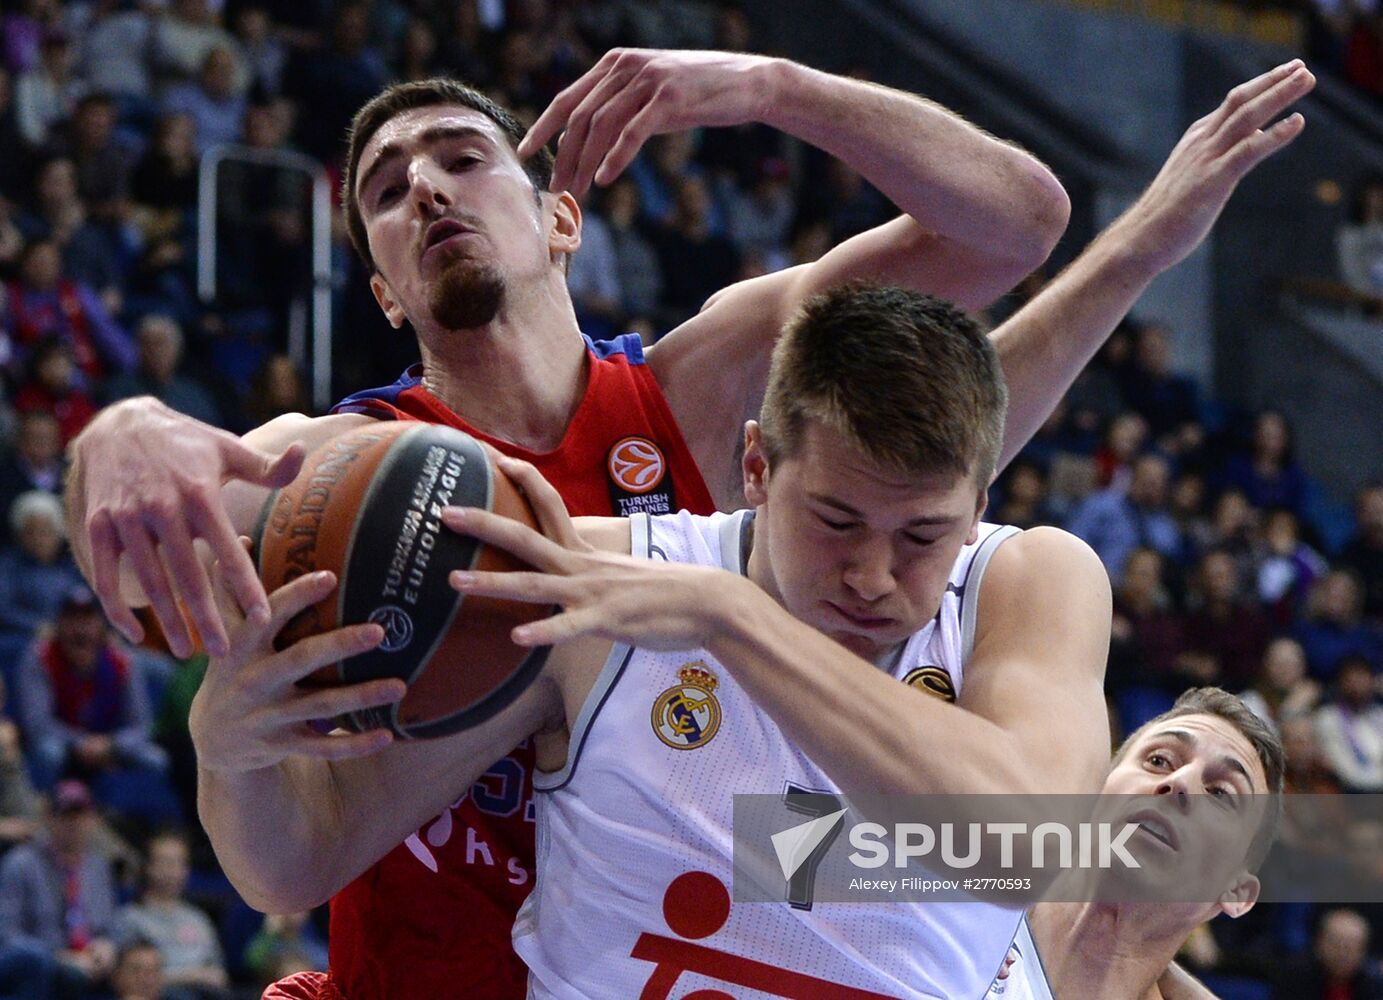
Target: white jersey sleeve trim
[[732, 531], [970, 587], [640, 547]]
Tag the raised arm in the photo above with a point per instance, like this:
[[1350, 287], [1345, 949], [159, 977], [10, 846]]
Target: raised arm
[[1045, 345], [146, 485], [978, 213]]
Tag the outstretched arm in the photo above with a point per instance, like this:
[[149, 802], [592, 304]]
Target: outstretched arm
[[978, 213], [1047, 343], [146, 486]]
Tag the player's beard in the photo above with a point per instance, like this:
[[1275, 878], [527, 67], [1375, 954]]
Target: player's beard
[[466, 294]]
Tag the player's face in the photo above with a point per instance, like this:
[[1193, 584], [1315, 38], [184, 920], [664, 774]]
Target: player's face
[[1202, 792], [857, 552], [452, 219]]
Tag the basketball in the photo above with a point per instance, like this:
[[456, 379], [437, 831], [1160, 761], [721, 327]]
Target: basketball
[[367, 506]]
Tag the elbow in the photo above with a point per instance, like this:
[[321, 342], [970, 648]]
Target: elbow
[[1050, 212], [1040, 209], [281, 892]]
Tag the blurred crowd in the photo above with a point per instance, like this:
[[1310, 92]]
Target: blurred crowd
[[1228, 566]]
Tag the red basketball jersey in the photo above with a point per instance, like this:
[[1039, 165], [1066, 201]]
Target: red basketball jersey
[[433, 917]]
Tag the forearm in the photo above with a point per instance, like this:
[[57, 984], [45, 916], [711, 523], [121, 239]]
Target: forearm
[[950, 177], [870, 733], [1044, 346], [274, 831]]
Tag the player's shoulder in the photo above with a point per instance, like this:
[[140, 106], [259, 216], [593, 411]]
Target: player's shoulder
[[1044, 548], [1048, 559]]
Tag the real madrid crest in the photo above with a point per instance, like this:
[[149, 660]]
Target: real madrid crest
[[687, 715]]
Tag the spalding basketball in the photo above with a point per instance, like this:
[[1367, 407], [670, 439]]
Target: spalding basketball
[[367, 506]]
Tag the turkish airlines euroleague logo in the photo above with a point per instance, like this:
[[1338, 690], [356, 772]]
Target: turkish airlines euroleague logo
[[636, 464]]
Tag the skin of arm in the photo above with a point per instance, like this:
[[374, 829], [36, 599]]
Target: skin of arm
[[979, 214], [1047, 343], [1043, 575], [294, 816], [1042, 347]]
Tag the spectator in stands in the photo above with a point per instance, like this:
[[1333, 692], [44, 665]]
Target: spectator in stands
[[264, 223], [1350, 728], [1364, 552], [160, 355], [849, 203], [83, 701], [1166, 400], [165, 180], [184, 935], [1146, 636], [637, 268], [103, 164], [1116, 520], [1268, 474], [1234, 529], [1024, 502], [1123, 442], [37, 572], [417, 58], [659, 171], [92, 252], [214, 102], [53, 384], [46, 303], [593, 280], [1287, 567], [47, 94], [22, 31], [761, 217], [1335, 626], [15, 165], [285, 938], [278, 389], [1187, 505], [187, 35], [333, 83], [1226, 633], [58, 891], [696, 263], [36, 463], [464, 41], [1282, 689], [265, 56], [117, 56], [21, 807], [1337, 968], [138, 973]]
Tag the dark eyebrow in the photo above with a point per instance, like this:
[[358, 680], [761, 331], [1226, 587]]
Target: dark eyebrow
[[845, 508], [391, 151], [1230, 762]]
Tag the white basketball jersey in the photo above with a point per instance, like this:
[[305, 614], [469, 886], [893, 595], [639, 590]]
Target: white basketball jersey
[[1025, 978], [634, 833]]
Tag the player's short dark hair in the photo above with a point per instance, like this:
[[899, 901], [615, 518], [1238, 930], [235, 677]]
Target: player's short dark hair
[[909, 379], [1266, 743], [394, 101]]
